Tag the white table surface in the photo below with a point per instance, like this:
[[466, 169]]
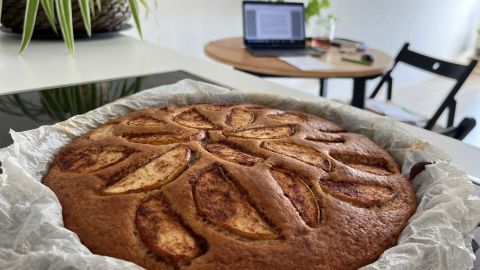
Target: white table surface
[[45, 64]]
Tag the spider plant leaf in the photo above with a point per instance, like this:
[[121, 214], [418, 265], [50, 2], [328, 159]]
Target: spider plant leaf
[[145, 5], [85, 10], [23, 108], [51, 105], [1, 4], [92, 7], [80, 99], [64, 12], [136, 16], [49, 8], [100, 97], [29, 23], [71, 100], [124, 90], [135, 86], [99, 5], [93, 96]]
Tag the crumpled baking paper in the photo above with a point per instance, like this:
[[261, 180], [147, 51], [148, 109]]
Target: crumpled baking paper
[[32, 235]]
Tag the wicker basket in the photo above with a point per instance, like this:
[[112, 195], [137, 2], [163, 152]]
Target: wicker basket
[[112, 17]]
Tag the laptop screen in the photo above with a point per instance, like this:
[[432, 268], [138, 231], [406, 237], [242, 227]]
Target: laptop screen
[[269, 23]]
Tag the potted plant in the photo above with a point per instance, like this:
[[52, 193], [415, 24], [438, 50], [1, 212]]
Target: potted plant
[[313, 7], [319, 27], [67, 17]]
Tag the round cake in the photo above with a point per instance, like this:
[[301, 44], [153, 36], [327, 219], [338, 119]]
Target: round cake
[[231, 186]]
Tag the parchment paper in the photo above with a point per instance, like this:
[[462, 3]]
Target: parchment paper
[[32, 235]]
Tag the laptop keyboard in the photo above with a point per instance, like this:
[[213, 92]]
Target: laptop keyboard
[[283, 52]]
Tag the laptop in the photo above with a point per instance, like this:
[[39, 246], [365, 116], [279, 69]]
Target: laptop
[[275, 29]]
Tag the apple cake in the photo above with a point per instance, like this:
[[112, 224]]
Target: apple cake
[[231, 186]]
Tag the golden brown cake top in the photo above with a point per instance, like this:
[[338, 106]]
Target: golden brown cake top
[[241, 186]]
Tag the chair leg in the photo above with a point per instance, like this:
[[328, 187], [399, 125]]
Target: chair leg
[[380, 84], [378, 87], [323, 87], [451, 113], [462, 130], [389, 88]]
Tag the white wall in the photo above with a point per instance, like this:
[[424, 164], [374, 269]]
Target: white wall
[[442, 28], [187, 25]]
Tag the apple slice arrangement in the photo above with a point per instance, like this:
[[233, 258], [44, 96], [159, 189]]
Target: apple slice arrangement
[[218, 150]]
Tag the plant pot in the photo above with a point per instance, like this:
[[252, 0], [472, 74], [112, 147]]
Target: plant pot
[[112, 17]]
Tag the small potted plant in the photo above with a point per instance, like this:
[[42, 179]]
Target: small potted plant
[[67, 17], [319, 27]]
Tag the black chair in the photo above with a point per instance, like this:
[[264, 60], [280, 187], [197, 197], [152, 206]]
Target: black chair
[[461, 131], [453, 71]]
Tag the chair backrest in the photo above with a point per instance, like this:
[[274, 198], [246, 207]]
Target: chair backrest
[[433, 65], [443, 68]]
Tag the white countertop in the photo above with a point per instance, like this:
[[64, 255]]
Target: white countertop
[[45, 64]]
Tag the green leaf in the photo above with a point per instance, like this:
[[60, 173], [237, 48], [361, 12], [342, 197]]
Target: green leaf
[[1, 4], [49, 8], [100, 97], [136, 17], [99, 5], [312, 9], [85, 9], [23, 108], [92, 7], [71, 100], [29, 23], [79, 99], [93, 96], [64, 12], [145, 5], [51, 105]]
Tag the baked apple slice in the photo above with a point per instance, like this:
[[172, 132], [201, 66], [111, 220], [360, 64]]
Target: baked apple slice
[[326, 138], [154, 174], [369, 164], [215, 107], [359, 194], [263, 132], [240, 117], [232, 154], [192, 118], [102, 132], [287, 118], [162, 138], [164, 233], [222, 203], [300, 194], [145, 121], [91, 159], [300, 152]]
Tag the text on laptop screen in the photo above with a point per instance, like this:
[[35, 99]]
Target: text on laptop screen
[[264, 22]]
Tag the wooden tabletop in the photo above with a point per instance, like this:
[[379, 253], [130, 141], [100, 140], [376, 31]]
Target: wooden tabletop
[[231, 51]]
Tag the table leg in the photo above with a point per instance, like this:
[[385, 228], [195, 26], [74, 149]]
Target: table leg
[[359, 85], [323, 87]]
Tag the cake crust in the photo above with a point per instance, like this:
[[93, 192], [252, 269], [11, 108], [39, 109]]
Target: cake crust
[[231, 186]]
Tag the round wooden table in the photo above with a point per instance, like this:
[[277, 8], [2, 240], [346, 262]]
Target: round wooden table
[[231, 51]]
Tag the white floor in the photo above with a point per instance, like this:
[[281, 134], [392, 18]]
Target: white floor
[[423, 97]]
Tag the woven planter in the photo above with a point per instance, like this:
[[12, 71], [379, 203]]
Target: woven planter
[[112, 17]]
